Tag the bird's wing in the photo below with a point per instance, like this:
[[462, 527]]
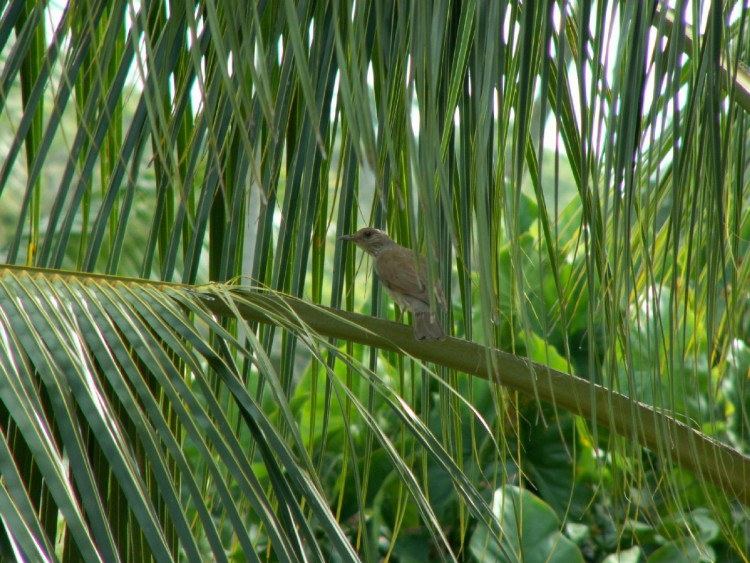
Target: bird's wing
[[396, 269], [424, 279]]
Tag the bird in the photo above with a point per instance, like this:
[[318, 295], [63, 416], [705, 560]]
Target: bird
[[404, 280]]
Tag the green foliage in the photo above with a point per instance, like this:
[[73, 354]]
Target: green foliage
[[532, 531], [574, 173]]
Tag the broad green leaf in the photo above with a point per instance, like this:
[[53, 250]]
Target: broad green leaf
[[531, 531]]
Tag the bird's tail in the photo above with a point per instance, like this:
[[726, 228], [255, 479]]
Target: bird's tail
[[426, 326]]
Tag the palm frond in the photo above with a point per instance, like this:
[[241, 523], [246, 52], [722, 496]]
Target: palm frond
[[574, 174]]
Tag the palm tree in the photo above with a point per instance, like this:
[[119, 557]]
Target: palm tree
[[194, 367]]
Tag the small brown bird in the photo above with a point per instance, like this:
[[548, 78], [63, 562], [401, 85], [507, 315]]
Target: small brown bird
[[407, 285]]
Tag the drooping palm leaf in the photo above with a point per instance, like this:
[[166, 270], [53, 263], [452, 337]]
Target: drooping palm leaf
[[196, 141], [131, 384]]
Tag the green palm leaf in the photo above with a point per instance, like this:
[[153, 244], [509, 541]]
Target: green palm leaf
[[575, 175]]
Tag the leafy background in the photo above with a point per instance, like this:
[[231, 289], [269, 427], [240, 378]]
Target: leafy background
[[575, 174]]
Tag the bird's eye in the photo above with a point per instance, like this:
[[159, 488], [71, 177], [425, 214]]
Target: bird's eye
[[368, 234]]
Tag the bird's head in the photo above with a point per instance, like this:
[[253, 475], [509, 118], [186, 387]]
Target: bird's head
[[373, 241]]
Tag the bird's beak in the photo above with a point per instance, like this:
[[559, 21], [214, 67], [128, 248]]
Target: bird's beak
[[346, 237]]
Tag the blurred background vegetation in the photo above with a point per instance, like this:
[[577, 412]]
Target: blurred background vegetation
[[574, 172]]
